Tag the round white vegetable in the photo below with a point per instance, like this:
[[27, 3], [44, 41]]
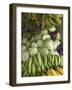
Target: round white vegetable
[[52, 29], [24, 40], [32, 39], [46, 37], [49, 44], [44, 51], [23, 48], [56, 43], [33, 51], [58, 36], [38, 37], [25, 56], [44, 32], [40, 43], [34, 44], [28, 44]]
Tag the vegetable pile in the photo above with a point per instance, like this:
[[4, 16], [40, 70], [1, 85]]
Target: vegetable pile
[[42, 49]]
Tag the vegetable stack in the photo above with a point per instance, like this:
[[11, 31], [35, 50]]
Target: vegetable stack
[[42, 51]]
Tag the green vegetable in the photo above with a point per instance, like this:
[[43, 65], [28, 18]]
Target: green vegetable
[[52, 29], [53, 52], [53, 59], [25, 73], [29, 64], [32, 39], [38, 70], [23, 48], [25, 63], [25, 56], [33, 51], [56, 43], [46, 37], [35, 60], [43, 66], [49, 44], [61, 59], [24, 40], [58, 37], [33, 69], [39, 58], [49, 63], [40, 43], [44, 32], [56, 61], [38, 37], [43, 51], [34, 44], [28, 44], [45, 60]]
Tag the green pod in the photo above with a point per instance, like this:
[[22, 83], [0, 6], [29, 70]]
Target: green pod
[[39, 59], [38, 69], [49, 63], [61, 59], [22, 66], [26, 64], [25, 69], [43, 66], [35, 60], [50, 58], [22, 69], [45, 60], [33, 69], [55, 61], [25, 73], [29, 64]]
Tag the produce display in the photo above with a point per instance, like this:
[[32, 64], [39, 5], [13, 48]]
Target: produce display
[[42, 50]]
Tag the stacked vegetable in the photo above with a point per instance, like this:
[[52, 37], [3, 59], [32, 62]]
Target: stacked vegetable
[[42, 53]]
